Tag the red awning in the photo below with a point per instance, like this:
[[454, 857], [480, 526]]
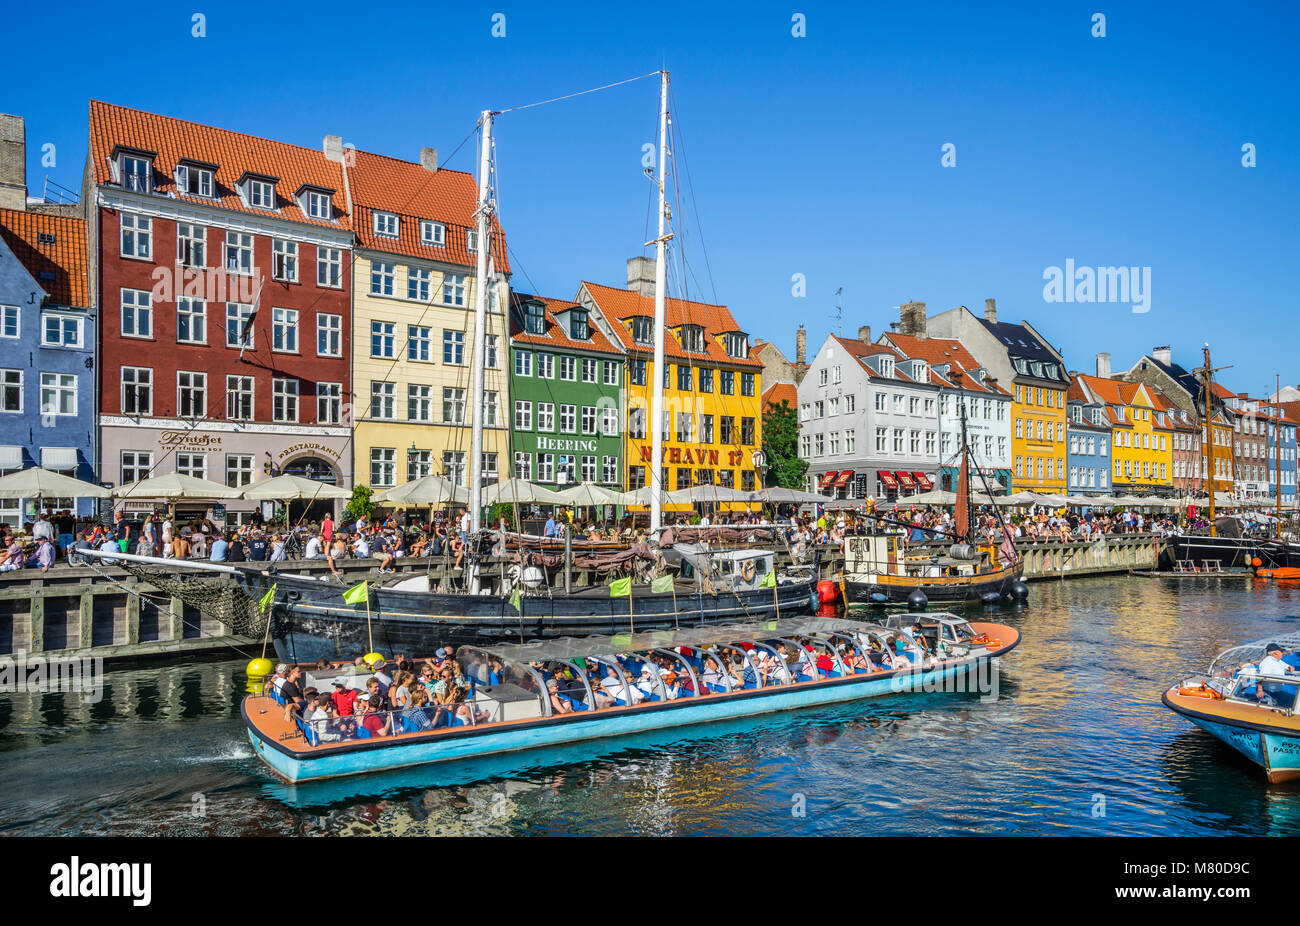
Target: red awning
[[924, 481], [843, 478], [826, 479], [888, 478], [905, 480]]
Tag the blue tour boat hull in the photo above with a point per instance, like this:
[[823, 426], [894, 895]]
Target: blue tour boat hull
[[1274, 750]]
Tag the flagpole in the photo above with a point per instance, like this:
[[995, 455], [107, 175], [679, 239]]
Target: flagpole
[[370, 635]]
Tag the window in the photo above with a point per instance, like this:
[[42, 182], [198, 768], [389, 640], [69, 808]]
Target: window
[[683, 478], [419, 343], [453, 289], [284, 260], [588, 370], [386, 224], [239, 469], [693, 339], [239, 252], [568, 368], [490, 342], [191, 247], [523, 363], [588, 419], [523, 415], [382, 400], [546, 467], [898, 440], [609, 422], [239, 324], [579, 329], [318, 205], [636, 372], [726, 429], [191, 321], [490, 409], [609, 373], [329, 335], [419, 463], [534, 318], [683, 377], [819, 409], [850, 441], [135, 466], [261, 194], [284, 399], [419, 284], [453, 405], [137, 174], [329, 266], [524, 465], [381, 278], [609, 469], [433, 234], [192, 464], [137, 314], [137, 391], [746, 383], [239, 398], [383, 340], [737, 345], [471, 240], [11, 390], [58, 394], [685, 428], [284, 330], [137, 236], [419, 402], [746, 431], [728, 382], [453, 465], [636, 423], [453, 347], [568, 418], [546, 366], [642, 330], [588, 468], [192, 394], [383, 466], [546, 416], [329, 403], [60, 330]]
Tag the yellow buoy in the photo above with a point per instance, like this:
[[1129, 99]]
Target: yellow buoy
[[371, 658], [258, 670]]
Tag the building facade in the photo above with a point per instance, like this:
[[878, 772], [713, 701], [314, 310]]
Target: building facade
[[413, 357], [222, 265], [1281, 438], [47, 349], [1089, 435], [566, 388], [1141, 457], [1250, 469], [713, 412]]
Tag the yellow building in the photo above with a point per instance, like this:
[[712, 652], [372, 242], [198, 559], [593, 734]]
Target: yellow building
[[413, 322], [1038, 440], [713, 415], [1141, 446]]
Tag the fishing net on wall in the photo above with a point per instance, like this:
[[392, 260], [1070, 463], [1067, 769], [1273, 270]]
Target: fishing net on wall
[[221, 599]]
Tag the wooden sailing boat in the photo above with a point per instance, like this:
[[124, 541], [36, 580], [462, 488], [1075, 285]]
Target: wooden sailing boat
[[878, 569]]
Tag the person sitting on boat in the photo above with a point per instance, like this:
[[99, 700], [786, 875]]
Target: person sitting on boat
[[377, 719], [852, 658], [418, 713], [615, 688], [380, 674], [428, 677], [713, 675], [1272, 664], [399, 694], [316, 717], [558, 704], [375, 690], [344, 698]]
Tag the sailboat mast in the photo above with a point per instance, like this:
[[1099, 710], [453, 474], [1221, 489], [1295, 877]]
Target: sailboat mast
[[657, 396], [1209, 434], [1277, 445], [480, 324]]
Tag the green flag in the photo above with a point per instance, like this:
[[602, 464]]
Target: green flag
[[620, 588], [268, 599], [357, 593], [515, 598], [769, 580], [661, 585]]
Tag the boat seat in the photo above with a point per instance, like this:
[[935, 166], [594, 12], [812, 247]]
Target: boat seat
[[279, 698], [362, 732]]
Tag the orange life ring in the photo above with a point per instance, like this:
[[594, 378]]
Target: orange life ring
[[1200, 691], [986, 641]]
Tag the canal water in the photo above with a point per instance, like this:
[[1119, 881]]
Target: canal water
[[1076, 743]]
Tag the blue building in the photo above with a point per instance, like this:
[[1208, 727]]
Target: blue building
[[1088, 432], [1280, 423], [47, 351]]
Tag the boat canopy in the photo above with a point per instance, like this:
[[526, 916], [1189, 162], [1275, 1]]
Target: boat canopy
[[1227, 662]]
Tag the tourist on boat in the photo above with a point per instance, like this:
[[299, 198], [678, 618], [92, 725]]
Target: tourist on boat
[[615, 688], [558, 704], [400, 692], [377, 719], [375, 690], [344, 698], [713, 676], [418, 713]]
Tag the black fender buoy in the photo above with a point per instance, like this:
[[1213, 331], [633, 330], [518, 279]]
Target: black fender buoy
[[1019, 590], [917, 601]]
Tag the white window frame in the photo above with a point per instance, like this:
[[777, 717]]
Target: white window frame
[[330, 325], [284, 329], [386, 224], [433, 234], [284, 260], [284, 400], [137, 309], [140, 230], [58, 386], [329, 267]]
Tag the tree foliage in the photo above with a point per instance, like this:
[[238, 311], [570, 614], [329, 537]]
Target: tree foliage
[[359, 505], [781, 446]]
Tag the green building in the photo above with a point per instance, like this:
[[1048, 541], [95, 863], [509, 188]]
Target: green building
[[566, 391]]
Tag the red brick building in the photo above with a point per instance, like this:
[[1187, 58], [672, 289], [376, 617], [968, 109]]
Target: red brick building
[[222, 264]]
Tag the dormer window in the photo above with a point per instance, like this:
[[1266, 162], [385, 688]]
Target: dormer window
[[471, 241], [920, 371], [693, 339], [887, 367], [194, 180], [386, 224], [319, 206], [433, 234], [579, 330], [534, 318], [737, 344], [1076, 413], [642, 330], [261, 193], [137, 173]]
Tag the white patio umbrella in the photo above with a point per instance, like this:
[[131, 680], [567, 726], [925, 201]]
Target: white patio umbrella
[[782, 496], [522, 492], [173, 487], [289, 486], [590, 495], [933, 497], [427, 490], [42, 483], [1022, 498], [708, 494]]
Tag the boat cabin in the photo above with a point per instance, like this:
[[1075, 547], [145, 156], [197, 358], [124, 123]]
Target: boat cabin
[[866, 557], [943, 632]]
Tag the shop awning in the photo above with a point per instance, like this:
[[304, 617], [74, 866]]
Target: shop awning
[[888, 478], [905, 480], [843, 478], [826, 479], [923, 481], [58, 458]]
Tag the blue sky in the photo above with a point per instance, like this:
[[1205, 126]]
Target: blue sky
[[817, 155]]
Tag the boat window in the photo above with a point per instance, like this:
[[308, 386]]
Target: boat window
[[1268, 691]]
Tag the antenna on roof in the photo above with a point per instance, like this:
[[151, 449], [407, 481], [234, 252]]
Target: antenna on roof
[[839, 313]]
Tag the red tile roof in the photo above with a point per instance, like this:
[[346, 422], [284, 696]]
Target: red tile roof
[[411, 192], [620, 306], [1077, 393], [861, 349], [939, 351], [233, 153], [777, 393], [555, 335], [65, 256]]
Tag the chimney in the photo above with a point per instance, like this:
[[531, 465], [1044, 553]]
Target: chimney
[[991, 311], [864, 334], [13, 163], [1162, 354], [429, 159], [641, 276], [911, 319], [1103, 366], [801, 347], [333, 148]]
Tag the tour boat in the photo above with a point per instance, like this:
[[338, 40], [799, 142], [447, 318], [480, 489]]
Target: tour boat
[[652, 680], [1253, 713]]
